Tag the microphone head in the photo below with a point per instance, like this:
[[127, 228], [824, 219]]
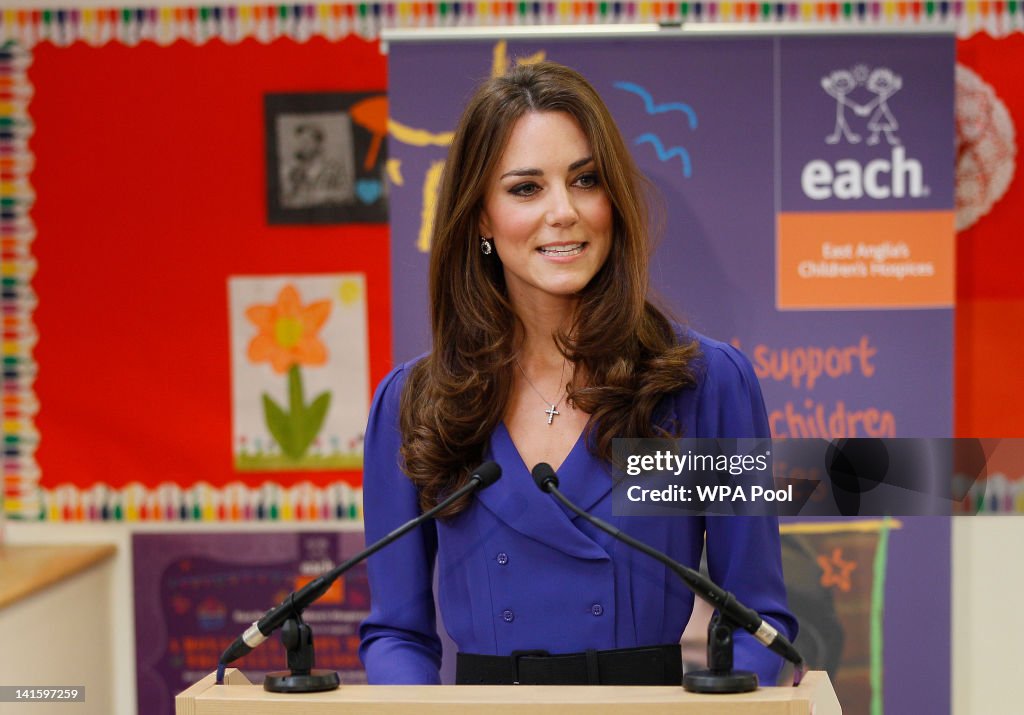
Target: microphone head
[[487, 474], [544, 476]]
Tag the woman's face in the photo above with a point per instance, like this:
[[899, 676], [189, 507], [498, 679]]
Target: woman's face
[[547, 209]]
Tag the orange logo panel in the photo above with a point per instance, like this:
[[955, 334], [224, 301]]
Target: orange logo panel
[[865, 260]]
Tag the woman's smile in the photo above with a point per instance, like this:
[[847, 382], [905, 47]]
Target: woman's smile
[[563, 251]]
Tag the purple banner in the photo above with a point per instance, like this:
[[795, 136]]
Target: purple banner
[[196, 593]]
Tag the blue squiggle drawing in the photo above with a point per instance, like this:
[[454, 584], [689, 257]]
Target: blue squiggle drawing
[[664, 155], [653, 108]]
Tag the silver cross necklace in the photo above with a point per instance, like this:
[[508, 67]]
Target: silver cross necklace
[[552, 411]]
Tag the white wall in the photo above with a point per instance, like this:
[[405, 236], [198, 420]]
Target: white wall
[[988, 620], [121, 647], [62, 636]]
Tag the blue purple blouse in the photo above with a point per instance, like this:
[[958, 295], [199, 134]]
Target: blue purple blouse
[[516, 571]]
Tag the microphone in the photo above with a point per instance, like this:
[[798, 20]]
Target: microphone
[[482, 477], [725, 602]]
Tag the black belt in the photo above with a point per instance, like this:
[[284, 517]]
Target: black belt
[[653, 665]]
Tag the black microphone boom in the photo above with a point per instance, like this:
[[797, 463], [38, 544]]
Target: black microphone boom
[[725, 602], [483, 476]]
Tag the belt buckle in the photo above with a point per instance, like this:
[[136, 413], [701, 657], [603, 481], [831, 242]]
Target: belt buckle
[[516, 655]]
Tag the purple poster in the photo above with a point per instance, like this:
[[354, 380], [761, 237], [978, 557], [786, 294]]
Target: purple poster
[[196, 592], [807, 190]]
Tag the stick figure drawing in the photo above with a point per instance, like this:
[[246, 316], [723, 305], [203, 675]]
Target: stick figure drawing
[[882, 83], [839, 84]]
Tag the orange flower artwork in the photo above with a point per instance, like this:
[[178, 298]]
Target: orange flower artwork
[[288, 331], [289, 338]]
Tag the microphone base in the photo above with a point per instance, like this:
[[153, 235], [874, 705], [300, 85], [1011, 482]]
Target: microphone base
[[708, 681], [284, 681]]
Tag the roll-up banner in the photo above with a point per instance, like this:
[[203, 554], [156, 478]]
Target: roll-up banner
[[807, 182]]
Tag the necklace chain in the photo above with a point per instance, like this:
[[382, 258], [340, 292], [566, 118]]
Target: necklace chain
[[552, 411]]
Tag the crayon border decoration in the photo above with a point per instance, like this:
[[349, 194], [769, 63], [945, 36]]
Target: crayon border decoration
[[266, 22], [17, 266], [202, 503]]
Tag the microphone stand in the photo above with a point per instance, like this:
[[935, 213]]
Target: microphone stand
[[720, 676], [729, 613], [297, 636], [301, 676]]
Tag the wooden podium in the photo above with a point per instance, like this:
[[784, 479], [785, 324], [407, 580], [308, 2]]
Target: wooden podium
[[814, 696]]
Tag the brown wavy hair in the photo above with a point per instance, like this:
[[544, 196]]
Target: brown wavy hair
[[626, 352]]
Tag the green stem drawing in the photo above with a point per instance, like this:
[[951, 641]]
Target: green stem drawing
[[877, 601], [295, 429]]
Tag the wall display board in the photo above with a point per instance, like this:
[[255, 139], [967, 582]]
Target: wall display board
[[33, 36], [195, 593], [211, 284], [808, 191]]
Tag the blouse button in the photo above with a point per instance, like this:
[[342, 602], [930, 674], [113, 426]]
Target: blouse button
[[597, 609], [502, 558], [508, 616]]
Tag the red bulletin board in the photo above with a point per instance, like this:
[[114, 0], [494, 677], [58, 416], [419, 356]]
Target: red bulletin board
[[990, 253], [150, 182]]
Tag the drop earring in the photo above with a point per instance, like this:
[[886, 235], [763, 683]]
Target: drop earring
[[485, 245]]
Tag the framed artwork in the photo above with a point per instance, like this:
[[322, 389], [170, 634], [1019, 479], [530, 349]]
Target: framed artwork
[[326, 154]]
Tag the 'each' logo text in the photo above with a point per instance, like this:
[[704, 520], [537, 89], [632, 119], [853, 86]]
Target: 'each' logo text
[[863, 114]]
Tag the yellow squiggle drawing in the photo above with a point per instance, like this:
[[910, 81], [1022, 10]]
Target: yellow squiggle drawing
[[418, 137], [532, 59], [394, 169], [499, 61], [430, 186]]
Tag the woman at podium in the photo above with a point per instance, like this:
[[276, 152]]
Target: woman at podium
[[546, 348]]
